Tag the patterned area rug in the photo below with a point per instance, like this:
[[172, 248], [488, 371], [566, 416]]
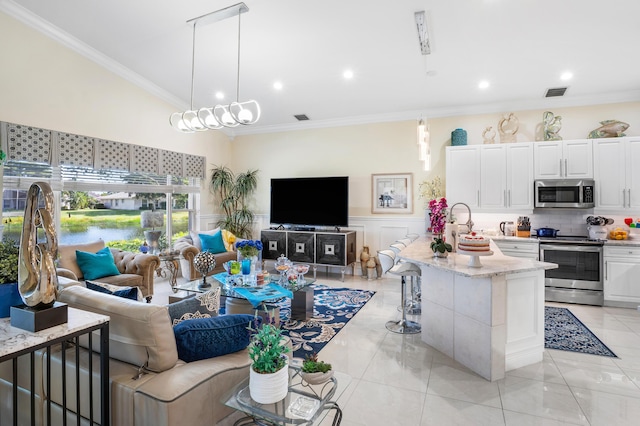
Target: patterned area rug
[[333, 308], [562, 330]]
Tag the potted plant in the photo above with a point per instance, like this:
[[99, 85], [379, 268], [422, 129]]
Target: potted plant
[[315, 372], [9, 294], [232, 193], [440, 248], [269, 374]]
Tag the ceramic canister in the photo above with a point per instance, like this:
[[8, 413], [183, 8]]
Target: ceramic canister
[[459, 137]]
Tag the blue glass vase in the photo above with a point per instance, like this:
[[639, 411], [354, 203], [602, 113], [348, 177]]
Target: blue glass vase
[[459, 137]]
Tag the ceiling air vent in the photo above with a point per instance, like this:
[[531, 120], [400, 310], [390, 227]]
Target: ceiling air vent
[[301, 117], [558, 91]]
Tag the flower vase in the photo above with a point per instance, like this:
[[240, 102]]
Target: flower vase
[[269, 388], [249, 267]]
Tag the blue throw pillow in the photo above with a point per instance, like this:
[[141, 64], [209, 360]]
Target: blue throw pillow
[[96, 265], [213, 243], [125, 292], [204, 338]]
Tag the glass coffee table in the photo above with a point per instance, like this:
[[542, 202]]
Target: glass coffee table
[[237, 297], [303, 404]]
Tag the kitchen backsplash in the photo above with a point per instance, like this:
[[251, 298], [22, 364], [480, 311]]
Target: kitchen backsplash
[[568, 222]]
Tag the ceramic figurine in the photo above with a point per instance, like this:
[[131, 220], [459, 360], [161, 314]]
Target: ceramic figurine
[[552, 125], [364, 258], [609, 129], [489, 135], [508, 127]]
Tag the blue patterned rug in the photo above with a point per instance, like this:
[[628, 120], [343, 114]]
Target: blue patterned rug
[[333, 308], [563, 331]]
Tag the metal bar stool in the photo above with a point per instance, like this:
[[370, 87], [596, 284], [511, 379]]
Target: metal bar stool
[[414, 305], [403, 269]]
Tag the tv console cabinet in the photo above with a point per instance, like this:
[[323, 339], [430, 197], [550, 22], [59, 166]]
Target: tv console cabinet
[[317, 248]]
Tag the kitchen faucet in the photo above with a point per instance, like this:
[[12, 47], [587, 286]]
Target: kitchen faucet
[[469, 223]]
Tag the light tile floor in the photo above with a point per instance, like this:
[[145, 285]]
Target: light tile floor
[[399, 380]]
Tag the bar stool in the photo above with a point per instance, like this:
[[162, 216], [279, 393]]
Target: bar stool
[[414, 306], [404, 270]]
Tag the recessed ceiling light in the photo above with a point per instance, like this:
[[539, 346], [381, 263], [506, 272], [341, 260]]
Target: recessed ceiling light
[[219, 95], [568, 75], [484, 84], [277, 85], [347, 74]]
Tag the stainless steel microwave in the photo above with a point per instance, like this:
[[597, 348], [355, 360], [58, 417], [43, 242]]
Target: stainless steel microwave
[[566, 193]]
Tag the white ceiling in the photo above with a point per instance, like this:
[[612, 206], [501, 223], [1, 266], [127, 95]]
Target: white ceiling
[[520, 46]]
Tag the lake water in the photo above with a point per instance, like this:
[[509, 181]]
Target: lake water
[[93, 233]]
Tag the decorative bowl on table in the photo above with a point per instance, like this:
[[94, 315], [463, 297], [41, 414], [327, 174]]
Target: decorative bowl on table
[[300, 270]]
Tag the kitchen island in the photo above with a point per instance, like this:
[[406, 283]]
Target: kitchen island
[[488, 318]]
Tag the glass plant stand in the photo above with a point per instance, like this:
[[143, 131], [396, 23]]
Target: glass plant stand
[[303, 405]]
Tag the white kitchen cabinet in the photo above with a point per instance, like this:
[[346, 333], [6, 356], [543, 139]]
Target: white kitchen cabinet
[[525, 248], [621, 271], [463, 175], [491, 177], [563, 159], [616, 173]]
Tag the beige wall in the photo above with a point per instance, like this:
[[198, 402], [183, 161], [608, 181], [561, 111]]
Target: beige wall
[[359, 151], [46, 85]]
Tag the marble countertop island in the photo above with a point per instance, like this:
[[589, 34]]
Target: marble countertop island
[[489, 318], [420, 253]]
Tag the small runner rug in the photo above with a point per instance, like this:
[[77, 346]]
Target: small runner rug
[[333, 308], [563, 331]]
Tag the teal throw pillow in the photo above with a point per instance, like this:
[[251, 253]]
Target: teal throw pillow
[[213, 243], [205, 338], [124, 292], [96, 265]]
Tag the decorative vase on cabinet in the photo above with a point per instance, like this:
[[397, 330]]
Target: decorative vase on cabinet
[[459, 137]]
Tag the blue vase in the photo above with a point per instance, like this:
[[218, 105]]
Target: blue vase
[[9, 296], [459, 137]]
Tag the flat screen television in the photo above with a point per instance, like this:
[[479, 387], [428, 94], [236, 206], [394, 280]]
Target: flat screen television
[[310, 201]]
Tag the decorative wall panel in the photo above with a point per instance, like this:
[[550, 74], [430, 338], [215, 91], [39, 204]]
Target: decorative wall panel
[[171, 163], [75, 150], [194, 166], [144, 159], [26, 143], [111, 155]]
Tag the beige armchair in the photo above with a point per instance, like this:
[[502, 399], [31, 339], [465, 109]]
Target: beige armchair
[[136, 269], [188, 251]]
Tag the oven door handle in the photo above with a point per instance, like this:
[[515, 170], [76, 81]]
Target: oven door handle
[[577, 247]]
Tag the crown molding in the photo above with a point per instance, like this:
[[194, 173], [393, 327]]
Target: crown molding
[[453, 111], [32, 20]]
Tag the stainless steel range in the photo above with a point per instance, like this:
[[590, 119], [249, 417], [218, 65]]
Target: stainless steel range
[[579, 276]]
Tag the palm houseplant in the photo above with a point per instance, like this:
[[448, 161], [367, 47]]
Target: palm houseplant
[[315, 371], [269, 372], [232, 193]]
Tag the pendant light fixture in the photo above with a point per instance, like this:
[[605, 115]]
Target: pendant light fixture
[[218, 116], [424, 144]]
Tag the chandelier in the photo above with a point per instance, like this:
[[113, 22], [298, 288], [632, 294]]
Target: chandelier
[[218, 116]]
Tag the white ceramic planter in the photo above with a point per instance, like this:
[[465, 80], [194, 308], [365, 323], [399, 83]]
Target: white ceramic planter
[[317, 378], [269, 388]]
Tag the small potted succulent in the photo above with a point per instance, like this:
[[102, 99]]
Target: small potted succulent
[[315, 372]]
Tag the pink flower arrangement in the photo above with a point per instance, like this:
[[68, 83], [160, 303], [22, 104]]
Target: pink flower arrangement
[[438, 215]]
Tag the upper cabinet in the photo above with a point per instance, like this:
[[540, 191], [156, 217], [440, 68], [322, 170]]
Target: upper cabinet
[[463, 175], [563, 159], [616, 173], [491, 177]]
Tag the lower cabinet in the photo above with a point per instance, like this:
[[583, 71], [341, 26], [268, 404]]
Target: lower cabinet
[[318, 248], [528, 249], [621, 272]]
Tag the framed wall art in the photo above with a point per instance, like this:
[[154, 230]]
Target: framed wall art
[[392, 193]]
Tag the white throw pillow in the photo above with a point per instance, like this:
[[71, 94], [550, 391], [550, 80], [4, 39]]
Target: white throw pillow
[[196, 239]]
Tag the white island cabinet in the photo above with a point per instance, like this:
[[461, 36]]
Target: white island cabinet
[[490, 319]]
